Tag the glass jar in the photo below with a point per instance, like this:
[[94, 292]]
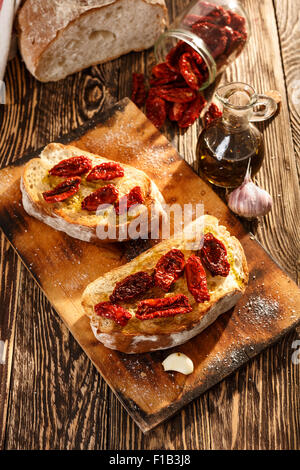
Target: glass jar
[[231, 142], [217, 31]]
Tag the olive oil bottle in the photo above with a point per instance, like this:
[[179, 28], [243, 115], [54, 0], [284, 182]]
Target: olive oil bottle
[[226, 146]]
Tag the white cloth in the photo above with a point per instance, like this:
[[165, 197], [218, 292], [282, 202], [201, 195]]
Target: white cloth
[[7, 12]]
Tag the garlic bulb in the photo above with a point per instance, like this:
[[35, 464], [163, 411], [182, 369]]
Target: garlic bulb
[[249, 200]]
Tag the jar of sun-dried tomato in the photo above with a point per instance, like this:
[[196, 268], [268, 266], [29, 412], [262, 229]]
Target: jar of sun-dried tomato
[[203, 40]]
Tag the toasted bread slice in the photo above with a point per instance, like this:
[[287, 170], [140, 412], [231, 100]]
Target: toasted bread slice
[[139, 336], [68, 215]]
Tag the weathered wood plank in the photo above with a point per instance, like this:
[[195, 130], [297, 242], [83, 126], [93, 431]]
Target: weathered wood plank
[[9, 293], [279, 233], [288, 21]]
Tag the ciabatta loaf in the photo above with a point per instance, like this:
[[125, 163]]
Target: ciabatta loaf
[[68, 215], [143, 335], [60, 37]]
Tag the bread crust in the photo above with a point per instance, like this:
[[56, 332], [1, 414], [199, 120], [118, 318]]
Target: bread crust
[[139, 336], [136, 343], [39, 23], [84, 228]]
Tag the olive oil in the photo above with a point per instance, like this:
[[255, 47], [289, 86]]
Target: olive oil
[[231, 143], [226, 161]]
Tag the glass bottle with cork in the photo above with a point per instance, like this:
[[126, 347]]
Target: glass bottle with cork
[[225, 147]]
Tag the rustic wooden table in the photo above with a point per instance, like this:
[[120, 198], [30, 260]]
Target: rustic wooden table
[[51, 396]]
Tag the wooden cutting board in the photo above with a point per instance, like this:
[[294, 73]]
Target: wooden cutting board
[[63, 267]]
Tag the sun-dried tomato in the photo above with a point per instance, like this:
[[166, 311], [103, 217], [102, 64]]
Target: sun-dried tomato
[[156, 110], [139, 93], [213, 37], [203, 19], [172, 58], [177, 110], [237, 22], [132, 286], [211, 114], [216, 20], [200, 64], [156, 82], [74, 166], [196, 57], [206, 31], [167, 307], [210, 32], [168, 269], [192, 112], [176, 95], [63, 190], [105, 195], [163, 71], [106, 171], [214, 256], [219, 47], [131, 199], [228, 31], [115, 312], [190, 71], [235, 42], [220, 16], [196, 279], [211, 28]]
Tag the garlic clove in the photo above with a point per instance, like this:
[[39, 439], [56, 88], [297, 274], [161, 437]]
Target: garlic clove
[[249, 200], [178, 362]]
